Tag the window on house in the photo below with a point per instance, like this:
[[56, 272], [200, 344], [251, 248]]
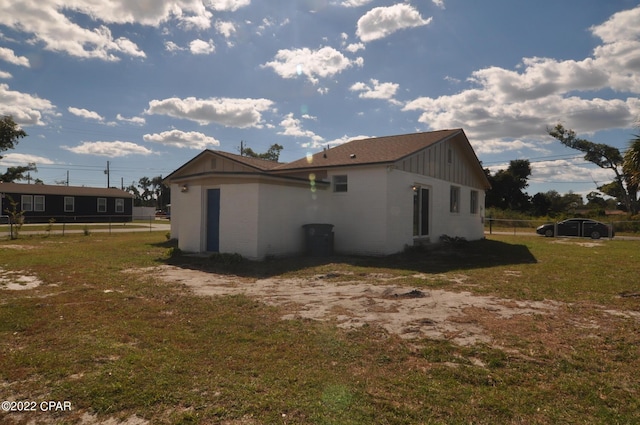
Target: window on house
[[38, 203], [102, 205], [26, 203], [69, 204], [454, 199], [119, 205], [474, 202], [340, 183]]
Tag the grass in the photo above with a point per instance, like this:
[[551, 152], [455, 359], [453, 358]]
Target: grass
[[117, 344]]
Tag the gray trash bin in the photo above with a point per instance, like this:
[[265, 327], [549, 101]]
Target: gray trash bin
[[318, 239]]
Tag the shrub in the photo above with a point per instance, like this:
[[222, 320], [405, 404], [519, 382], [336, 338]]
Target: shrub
[[226, 259]]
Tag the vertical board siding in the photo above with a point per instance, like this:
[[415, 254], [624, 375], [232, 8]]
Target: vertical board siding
[[433, 162]]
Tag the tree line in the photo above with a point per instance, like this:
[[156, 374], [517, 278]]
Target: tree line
[[508, 186]]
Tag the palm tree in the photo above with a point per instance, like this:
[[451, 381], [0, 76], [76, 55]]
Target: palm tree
[[632, 159], [631, 166]]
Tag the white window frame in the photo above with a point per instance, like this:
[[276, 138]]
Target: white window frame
[[26, 203], [69, 204], [340, 183], [38, 203], [119, 205], [102, 205]]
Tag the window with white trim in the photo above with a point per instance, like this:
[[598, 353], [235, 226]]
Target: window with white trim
[[102, 205], [38, 203], [26, 203], [119, 205], [69, 204]]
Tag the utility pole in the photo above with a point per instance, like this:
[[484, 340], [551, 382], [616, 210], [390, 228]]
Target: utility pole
[[108, 175]]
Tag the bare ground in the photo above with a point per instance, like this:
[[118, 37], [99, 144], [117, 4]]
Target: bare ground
[[405, 311]]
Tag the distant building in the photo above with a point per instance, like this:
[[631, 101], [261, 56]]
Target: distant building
[[41, 203]]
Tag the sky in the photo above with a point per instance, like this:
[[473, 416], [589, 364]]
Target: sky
[[148, 85]]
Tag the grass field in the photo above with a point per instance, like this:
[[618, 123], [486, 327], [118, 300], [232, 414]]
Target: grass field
[[122, 345]]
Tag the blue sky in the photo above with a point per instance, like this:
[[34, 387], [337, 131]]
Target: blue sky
[[147, 85]]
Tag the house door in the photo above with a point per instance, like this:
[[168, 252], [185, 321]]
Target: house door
[[421, 212], [213, 220]]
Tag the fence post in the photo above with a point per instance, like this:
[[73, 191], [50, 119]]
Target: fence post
[[491, 225]]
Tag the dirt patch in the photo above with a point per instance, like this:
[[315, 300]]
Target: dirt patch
[[590, 244], [405, 311], [17, 281]]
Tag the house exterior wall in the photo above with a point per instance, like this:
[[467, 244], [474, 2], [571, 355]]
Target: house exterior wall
[[360, 214], [442, 221], [187, 217], [283, 210], [239, 211]]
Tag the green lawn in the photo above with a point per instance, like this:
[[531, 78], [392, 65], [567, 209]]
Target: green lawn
[[116, 344]]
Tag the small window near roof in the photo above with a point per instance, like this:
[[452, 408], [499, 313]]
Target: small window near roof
[[340, 183]]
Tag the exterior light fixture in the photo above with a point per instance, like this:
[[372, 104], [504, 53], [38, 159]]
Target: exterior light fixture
[[184, 188]]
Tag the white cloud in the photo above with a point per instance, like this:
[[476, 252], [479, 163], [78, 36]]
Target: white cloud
[[201, 47], [181, 139], [17, 159], [354, 47], [227, 29], [9, 55], [569, 170], [520, 104], [380, 22], [439, 3], [495, 146], [228, 5], [84, 113], [25, 108], [355, 3], [293, 127], [344, 139], [5, 75], [109, 149], [48, 22], [170, 46], [240, 113], [132, 120], [377, 90], [324, 62]]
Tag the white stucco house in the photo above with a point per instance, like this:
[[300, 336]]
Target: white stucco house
[[380, 194]]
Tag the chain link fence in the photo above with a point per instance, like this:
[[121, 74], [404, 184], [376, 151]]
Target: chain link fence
[[516, 227]]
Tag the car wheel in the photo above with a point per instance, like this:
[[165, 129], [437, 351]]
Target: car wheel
[[595, 235], [548, 233]]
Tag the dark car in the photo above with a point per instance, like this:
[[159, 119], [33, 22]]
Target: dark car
[[582, 227]]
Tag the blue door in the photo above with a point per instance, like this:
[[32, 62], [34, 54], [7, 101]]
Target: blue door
[[213, 220]]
